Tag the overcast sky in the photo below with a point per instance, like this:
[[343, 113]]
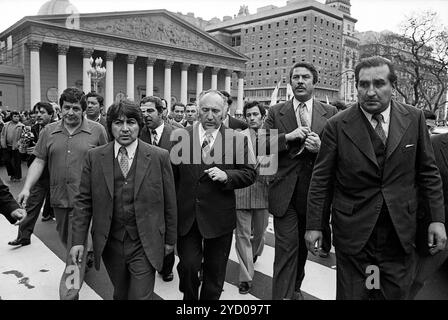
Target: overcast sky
[[376, 15]]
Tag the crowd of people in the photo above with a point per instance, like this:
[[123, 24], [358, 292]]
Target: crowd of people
[[148, 184]]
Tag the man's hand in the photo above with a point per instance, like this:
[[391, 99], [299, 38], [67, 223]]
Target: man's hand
[[19, 215], [313, 239], [23, 196], [76, 253], [30, 150], [312, 142], [168, 249], [216, 174], [436, 237], [298, 134]]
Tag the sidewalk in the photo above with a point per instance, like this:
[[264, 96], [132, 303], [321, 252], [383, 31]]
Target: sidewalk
[[32, 272]]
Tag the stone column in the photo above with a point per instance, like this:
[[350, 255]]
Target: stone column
[[35, 94], [109, 98], [227, 86], [199, 80], [86, 55], [184, 83], [150, 76], [62, 68], [214, 85], [130, 77], [240, 96], [167, 88]]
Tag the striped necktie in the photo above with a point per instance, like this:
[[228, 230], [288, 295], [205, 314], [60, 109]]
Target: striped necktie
[[206, 145], [379, 127], [301, 119], [154, 137], [124, 161]]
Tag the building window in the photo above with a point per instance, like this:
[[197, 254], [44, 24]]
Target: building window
[[286, 22], [304, 30], [276, 62], [269, 26], [267, 63], [293, 60], [303, 50], [285, 61], [304, 40], [253, 29], [247, 30], [261, 28], [295, 20], [285, 51], [278, 24], [304, 18], [259, 64]]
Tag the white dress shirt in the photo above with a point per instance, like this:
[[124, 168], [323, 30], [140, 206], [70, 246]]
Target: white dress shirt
[[202, 133], [131, 149], [308, 110], [159, 131]]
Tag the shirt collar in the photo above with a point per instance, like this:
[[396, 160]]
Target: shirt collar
[[385, 113], [130, 149], [308, 104], [84, 127], [202, 132], [159, 130]]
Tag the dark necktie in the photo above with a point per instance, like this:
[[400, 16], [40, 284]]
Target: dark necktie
[[154, 137], [378, 117], [206, 144], [124, 161]]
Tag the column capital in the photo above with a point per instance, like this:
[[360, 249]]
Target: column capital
[[228, 72], [34, 45], [215, 70], [131, 59], [241, 74], [185, 66], [150, 61], [169, 64], [200, 68], [62, 49], [87, 52], [110, 56]]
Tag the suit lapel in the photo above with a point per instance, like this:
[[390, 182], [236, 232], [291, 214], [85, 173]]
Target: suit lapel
[[318, 120], [355, 128], [444, 149], [164, 141], [399, 123], [288, 117], [108, 167], [143, 163]]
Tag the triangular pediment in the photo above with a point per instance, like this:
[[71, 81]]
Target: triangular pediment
[[157, 26]]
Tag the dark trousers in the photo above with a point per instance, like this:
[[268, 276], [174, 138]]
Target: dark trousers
[[383, 250], [193, 249], [290, 253], [39, 193], [13, 163], [130, 271]]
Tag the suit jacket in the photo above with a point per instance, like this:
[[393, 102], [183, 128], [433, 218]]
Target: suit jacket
[[154, 200], [16, 135], [165, 139], [210, 203], [347, 168], [293, 167], [7, 203]]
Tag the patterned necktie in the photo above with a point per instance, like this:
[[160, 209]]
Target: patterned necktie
[[301, 115], [206, 147], [379, 127], [154, 137], [124, 161]]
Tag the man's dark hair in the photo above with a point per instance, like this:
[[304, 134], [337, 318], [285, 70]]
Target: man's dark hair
[[156, 100], [178, 104], [98, 97], [252, 104], [14, 113], [126, 108], [339, 105], [308, 66], [73, 95], [228, 97], [45, 105], [376, 61]]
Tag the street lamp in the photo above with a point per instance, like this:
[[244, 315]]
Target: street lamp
[[96, 72]]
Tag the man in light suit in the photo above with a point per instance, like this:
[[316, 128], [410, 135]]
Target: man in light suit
[[210, 162], [158, 132], [373, 159], [252, 213], [299, 122], [127, 189]]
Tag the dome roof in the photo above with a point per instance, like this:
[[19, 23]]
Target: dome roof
[[57, 7], [347, 2]]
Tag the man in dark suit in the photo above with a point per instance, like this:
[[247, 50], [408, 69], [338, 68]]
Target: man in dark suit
[[209, 163], [127, 188], [299, 122], [94, 110], [158, 133], [229, 121], [40, 192], [9, 207], [373, 159]]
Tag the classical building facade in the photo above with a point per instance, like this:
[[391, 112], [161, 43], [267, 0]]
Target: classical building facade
[[145, 53], [275, 38]]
